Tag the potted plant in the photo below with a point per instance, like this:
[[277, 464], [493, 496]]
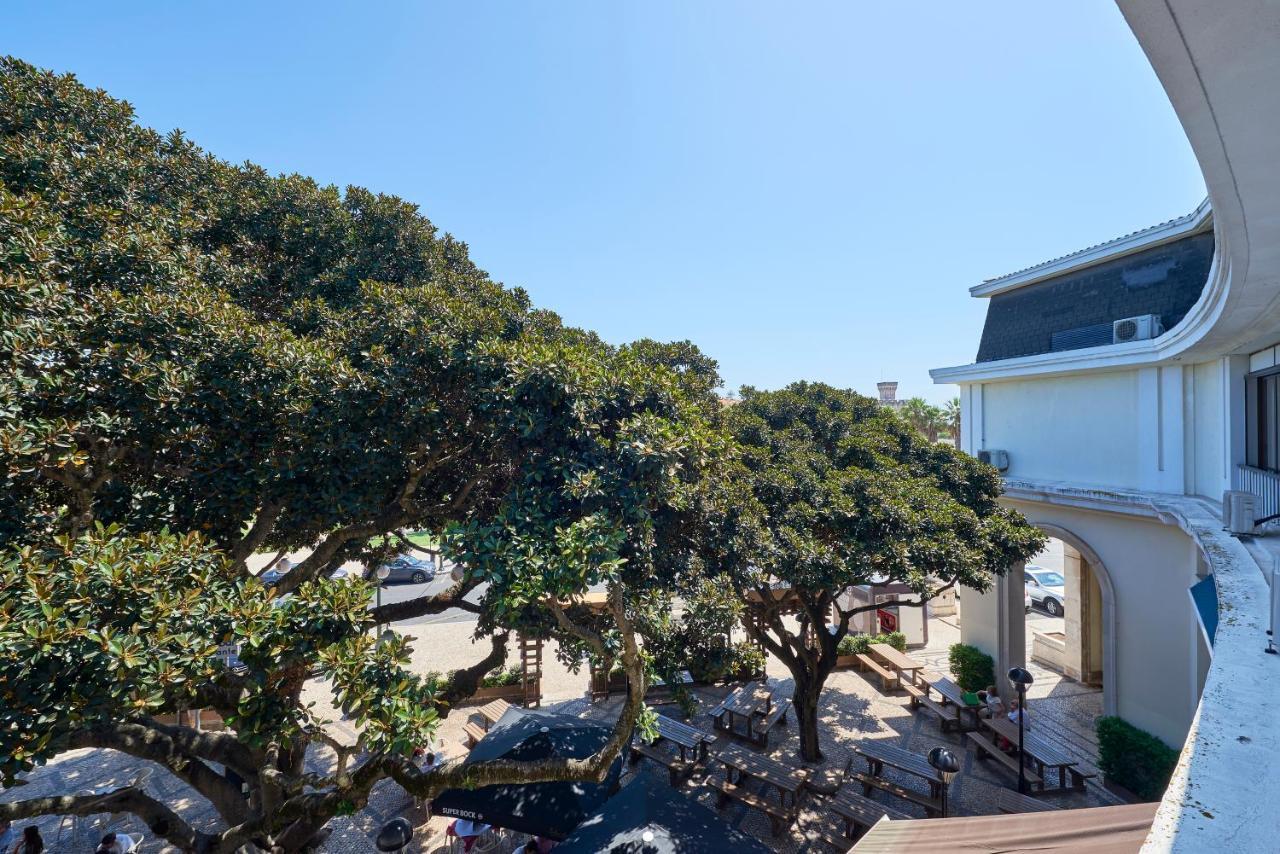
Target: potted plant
[[1135, 764]]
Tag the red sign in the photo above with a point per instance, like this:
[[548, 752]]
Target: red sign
[[888, 620]]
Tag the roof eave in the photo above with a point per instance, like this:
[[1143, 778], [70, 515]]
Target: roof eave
[[1157, 235]]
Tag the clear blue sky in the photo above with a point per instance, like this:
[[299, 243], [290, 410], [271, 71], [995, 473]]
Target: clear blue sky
[[806, 190]]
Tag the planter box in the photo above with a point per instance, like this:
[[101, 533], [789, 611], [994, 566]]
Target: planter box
[[602, 686], [1050, 649], [510, 693]]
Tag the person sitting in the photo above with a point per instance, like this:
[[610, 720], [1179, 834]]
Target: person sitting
[[992, 705], [8, 836], [468, 831], [31, 843], [117, 843]]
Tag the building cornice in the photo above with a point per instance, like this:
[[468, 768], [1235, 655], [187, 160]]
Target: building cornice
[[1157, 235]]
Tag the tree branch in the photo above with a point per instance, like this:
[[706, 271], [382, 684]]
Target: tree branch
[[262, 526], [161, 820], [438, 603]]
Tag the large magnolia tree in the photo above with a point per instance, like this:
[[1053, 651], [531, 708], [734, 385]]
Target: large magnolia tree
[[832, 490], [258, 363]]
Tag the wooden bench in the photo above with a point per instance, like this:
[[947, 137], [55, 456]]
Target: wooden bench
[[985, 748], [948, 716], [779, 818], [1008, 801], [859, 811], [474, 733], [889, 680], [915, 692], [677, 769], [932, 806]]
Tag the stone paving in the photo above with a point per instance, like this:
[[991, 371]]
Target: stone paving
[[853, 708]]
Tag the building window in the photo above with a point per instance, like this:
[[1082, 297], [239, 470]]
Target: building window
[[1262, 420]]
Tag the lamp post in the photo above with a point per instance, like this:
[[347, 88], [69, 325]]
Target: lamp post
[[394, 835], [1021, 678], [947, 765], [383, 572]]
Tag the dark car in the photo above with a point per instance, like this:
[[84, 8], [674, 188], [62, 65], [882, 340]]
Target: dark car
[[411, 569]]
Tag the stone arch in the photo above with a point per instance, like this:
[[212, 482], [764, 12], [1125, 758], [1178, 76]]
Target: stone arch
[[1110, 673]]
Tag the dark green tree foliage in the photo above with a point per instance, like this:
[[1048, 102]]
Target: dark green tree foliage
[[974, 669], [1134, 758], [192, 346], [832, 490]]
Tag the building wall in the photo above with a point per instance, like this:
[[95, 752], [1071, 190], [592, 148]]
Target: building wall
[[1082, 429], [1150, 566], [1168, 428]]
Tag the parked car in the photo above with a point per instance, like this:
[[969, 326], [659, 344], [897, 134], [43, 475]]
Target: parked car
[[1046, 589], [411, 569]]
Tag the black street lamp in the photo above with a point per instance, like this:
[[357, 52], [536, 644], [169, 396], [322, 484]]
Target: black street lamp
[[394, 835], [1021, 678], [947, 765]]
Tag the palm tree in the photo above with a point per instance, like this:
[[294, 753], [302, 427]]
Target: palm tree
[[951, 417], [923, 416]]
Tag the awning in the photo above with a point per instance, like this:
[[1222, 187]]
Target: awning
[[649, 817], [1099, 830], [1204, 595], [541, 809]]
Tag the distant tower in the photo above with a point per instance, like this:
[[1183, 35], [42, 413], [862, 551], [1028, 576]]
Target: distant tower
[[889, 393]]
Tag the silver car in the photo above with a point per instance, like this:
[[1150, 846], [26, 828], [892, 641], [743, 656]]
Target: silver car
[[1046, 589], [411, 569]]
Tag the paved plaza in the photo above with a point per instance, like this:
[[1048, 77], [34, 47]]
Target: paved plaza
[[853, 708]]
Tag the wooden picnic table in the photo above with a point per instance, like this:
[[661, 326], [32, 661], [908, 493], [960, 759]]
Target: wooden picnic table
[[878, 752], [786, 779], [685, 737], [953, 694], [493, 711], [904, 664], [1041, 753], [859, 810], [745, 703]]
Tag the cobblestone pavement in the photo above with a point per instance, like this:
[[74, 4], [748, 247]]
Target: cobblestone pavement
[[852, 708]]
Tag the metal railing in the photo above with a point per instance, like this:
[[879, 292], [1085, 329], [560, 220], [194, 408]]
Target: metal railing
[[1265, 487]]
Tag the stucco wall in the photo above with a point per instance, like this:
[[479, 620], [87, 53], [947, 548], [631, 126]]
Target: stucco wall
[[1082, 429], [1150, 565], [1203, 392]]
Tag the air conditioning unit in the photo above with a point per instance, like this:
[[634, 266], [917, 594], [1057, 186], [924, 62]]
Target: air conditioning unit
[[1140, 328], [1243, 513], [999, 459]]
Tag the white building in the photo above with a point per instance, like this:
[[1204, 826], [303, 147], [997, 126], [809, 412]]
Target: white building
[[1122, 437]]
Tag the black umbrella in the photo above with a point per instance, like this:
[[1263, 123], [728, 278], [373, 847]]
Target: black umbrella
[[541, 809], [649, 817]]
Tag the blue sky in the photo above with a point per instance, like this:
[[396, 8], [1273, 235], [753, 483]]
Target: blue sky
[[806, 190]]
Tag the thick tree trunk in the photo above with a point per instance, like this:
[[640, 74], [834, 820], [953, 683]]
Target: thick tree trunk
[[805, 704]]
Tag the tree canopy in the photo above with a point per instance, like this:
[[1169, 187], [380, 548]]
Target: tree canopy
[[258, 363], [833, 490]]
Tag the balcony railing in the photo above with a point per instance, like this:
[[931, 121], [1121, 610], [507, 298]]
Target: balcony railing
[[1265, 487]]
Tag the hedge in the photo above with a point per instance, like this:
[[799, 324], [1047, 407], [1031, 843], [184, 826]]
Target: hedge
[[973, 668], [860, 644], [1134, 758]]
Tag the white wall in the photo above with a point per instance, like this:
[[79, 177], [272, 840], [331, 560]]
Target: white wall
[[1169, 428], [1082, 429], [1150, 565]]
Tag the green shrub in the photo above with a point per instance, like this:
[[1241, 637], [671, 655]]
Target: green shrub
[[747, 658], [513, 675], [1134, 758], [973, 668], [859, 644]]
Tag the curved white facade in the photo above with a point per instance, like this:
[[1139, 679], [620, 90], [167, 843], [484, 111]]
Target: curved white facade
[[1130, 447]]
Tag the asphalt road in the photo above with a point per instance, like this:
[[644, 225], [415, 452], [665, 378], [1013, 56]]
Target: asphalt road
[[397, 591]]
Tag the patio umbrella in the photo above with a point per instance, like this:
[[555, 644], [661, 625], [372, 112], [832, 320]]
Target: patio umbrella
[[649, 817], [542, 809]]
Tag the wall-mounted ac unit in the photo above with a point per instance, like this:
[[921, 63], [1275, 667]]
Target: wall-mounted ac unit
[[1140, 328], [1241, 513], [999, 459]]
